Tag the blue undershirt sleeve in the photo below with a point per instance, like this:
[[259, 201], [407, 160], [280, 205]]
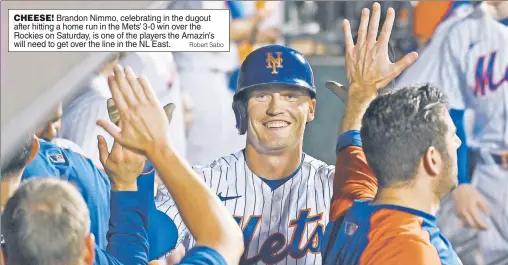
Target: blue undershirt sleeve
[[127, 235]]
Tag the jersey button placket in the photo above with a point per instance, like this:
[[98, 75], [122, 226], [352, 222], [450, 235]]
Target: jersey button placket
[[276, 210]]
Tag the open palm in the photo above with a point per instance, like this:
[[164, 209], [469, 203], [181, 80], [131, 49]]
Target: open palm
[[121, 165], [145, 126], [367, 62]]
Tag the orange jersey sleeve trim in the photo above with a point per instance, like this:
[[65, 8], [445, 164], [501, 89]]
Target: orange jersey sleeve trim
[[354, 180]]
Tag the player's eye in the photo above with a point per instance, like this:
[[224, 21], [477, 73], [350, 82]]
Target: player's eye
[[261, 97], [291, 97]]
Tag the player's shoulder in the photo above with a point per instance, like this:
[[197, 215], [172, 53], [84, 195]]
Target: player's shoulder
[[454, 18], [389, 234], [313, 164], [468, 23], [388, 221], [68, 144], [66, 160], [222, 163], [402, 231], [401, 250], [50, 160], [54, 151], [411, 234]]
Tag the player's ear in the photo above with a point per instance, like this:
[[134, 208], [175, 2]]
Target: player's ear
[[89, 251], [432, 161], [312, 110]]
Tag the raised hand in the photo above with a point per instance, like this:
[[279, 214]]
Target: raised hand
[[368, 65], [122, 165], [367, 62], [145, 126]]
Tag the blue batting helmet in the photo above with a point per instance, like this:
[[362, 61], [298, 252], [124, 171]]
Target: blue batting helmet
[[270, 65]]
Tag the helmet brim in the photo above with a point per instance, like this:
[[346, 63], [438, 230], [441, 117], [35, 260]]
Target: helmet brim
[[284, 82]]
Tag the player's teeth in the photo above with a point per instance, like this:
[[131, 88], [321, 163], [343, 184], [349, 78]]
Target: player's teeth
[[276, 124]]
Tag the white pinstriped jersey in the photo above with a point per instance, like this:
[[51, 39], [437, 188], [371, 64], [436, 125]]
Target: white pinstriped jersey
[[472, 70], [283, 226]]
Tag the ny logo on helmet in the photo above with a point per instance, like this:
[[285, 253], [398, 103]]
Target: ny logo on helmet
[[272, 62]]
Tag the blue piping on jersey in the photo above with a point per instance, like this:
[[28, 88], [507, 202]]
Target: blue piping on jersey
[[275, 183], [504, 21], [427, 216], [443, 247], [462, 153]]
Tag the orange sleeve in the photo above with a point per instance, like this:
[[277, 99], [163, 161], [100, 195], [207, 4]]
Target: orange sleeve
[[428, 15], [402, 250], [354, 180]]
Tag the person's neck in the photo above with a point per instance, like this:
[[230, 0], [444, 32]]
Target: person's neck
[[409, 197], [273, 166], [500, 11]]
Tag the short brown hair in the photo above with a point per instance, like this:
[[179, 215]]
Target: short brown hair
[[398, 128]]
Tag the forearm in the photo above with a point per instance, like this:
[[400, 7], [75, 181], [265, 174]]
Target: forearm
[[127, 235], [206, 218], [353, 177], [355, 108], [102, 257], [354, 180]]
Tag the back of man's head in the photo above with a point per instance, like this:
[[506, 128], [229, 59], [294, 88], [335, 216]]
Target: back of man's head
[[399, 127], [46, 222]]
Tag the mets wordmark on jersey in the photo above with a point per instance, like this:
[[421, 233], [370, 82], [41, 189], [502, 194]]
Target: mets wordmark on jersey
[[280, 226]]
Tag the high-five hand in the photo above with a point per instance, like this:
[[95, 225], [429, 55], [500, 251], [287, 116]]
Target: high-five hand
[[367, 62], [145, 126], [122, 165], [368, 65]]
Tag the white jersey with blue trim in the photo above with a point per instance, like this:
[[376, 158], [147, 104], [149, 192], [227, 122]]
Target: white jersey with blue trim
[[472, 70], [280, 226]]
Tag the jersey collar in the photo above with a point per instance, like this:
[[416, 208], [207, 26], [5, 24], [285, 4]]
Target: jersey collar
[[504, 21]]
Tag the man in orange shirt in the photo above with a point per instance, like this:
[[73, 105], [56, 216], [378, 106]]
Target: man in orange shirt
[[397, 159]]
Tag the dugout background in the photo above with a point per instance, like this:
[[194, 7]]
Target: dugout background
[[321, 134]]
